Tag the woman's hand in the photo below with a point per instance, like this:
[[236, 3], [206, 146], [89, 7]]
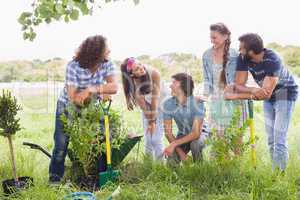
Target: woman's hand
[[230, 96], [151, 127], [230, 88], [200, 98]]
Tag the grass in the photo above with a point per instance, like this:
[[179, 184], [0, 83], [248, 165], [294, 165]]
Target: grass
[[144, 179]]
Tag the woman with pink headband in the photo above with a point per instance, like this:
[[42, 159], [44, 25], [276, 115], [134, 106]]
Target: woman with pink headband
[[143, 88]]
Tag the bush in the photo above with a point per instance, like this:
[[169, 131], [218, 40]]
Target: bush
[[85, 126]]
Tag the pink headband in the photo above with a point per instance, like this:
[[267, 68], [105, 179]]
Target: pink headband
[[130, 63]]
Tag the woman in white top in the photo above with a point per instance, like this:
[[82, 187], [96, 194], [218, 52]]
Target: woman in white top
[[219, 67], [143, 88]]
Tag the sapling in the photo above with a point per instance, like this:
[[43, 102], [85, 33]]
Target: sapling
[[9, 123]]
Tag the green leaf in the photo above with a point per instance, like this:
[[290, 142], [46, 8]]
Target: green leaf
[[44, 12], [67, 19], [32, 36], [24, 27], [25, 36], [48, 20], [74, 14], [84, 9], [59, 9], [23, 17], [37, 21]]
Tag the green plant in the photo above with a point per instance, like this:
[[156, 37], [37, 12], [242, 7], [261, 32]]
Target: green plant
[[85, 127], [226, 146], [9, 123]]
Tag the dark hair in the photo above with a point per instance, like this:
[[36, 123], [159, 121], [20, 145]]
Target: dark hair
[[222, 29], [186, 83], [129, 86], [91, 52], [252, 41]]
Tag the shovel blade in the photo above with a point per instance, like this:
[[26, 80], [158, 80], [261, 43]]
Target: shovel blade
[[108, 176]]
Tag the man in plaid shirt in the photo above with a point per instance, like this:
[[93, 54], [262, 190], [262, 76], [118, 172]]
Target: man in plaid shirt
[[89, 73]]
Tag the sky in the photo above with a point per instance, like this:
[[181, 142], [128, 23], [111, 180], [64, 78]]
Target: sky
[[153, 27]]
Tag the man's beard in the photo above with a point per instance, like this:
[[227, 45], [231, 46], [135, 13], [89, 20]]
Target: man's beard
[[247, 58]]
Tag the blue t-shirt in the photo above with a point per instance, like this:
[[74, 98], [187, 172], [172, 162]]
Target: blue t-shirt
[[286, 88], [183, 115]]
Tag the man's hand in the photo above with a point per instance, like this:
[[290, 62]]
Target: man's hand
[[106, 97], [170, 149], [83, 95], [260, 93]]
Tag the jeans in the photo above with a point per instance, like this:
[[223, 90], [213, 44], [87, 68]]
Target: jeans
[[196, 146], [61, 141], [277, 119]]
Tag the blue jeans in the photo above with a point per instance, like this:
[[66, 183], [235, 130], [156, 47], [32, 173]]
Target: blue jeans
[[277, 119], [61, 141]]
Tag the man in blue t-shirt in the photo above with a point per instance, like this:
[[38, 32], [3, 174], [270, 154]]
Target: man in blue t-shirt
[[277, 88], [188, 114]]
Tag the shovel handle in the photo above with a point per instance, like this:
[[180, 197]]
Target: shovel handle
[[108, 154], [250, 104], [106, 125], [106, 109], [252, 137]]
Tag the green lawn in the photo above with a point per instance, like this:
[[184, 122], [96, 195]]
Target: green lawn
[[143, 179]]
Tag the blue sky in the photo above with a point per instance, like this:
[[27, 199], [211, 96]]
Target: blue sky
[[153, 27]]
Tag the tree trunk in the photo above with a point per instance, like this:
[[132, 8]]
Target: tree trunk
[[12, 157]]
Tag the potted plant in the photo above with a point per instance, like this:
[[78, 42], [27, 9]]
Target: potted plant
[[9, 126]]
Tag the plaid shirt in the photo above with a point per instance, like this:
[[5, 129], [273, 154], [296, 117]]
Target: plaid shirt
[[82, 78]]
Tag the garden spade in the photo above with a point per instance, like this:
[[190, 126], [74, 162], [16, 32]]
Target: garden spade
[[109, 175], [252, 136]]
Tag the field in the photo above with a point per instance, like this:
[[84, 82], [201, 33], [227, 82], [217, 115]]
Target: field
[[143, 179]]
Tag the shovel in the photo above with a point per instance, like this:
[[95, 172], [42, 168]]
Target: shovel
[[252, 136], [109, 175]]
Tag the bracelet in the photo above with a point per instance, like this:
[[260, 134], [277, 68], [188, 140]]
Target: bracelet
[[152, 120]]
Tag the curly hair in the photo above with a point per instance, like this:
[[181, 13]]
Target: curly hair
[[91, 52], [222, 29]]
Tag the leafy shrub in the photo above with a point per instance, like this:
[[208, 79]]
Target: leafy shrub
[[85, 126]]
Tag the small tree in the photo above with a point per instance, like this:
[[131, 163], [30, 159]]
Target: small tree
[[9, 123], [226, 147]]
